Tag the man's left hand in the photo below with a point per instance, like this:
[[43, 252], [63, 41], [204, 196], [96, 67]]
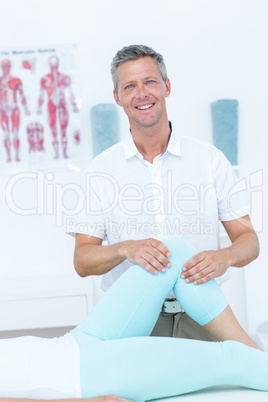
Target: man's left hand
[[205, 266]]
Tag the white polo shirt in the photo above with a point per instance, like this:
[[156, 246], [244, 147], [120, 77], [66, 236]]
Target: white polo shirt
[[185, 192]]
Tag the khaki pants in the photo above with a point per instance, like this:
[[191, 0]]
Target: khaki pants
[[180, 325]]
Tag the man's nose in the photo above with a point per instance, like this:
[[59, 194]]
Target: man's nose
[[141, 91]]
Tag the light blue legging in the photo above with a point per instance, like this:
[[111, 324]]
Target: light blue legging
[[118, 356]]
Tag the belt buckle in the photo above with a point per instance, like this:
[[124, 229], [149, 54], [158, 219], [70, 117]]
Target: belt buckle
[[171, 306]]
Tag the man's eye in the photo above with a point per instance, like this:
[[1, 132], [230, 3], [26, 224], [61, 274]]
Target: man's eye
[[150, 82], [129, 86]]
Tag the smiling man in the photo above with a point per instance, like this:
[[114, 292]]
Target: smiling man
[[141, 91], [157, 184]]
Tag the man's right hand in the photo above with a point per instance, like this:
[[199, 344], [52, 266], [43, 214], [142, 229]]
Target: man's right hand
[[91, 258], [150, 253], [108, 398]]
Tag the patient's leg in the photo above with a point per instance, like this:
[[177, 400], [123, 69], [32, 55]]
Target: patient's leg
[[225, 326], [155, 367], [146, 368], [204, 303], [132, 305]]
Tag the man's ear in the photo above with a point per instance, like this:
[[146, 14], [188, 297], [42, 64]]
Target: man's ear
[[116, 98], [168, 87]]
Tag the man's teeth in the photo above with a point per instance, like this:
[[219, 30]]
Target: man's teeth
[[145, 106]]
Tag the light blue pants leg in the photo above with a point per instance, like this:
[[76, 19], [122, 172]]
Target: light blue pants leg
[[132, 305], [144, 368]]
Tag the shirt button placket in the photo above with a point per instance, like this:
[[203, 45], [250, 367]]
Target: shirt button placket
[[156, 170]]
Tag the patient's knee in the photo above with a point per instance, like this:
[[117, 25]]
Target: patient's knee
[[180, 248]]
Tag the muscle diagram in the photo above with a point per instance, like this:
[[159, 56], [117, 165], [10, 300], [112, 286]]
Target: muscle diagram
[[35, 133], [56, 85], [10, 90]]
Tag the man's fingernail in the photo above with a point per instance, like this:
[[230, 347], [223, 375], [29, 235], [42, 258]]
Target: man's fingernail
[[168, 254], [184, 269], [187, 280], [163, 270], [195, 282], [168, 265], [182, 276]]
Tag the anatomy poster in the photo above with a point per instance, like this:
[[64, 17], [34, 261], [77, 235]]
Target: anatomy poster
[[40, 123]]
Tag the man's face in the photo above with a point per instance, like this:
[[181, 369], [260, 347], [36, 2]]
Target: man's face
[[142, 92]]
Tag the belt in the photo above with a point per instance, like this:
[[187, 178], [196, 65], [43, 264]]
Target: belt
[[172, 306]]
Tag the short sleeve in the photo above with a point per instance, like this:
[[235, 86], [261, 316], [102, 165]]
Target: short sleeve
[[232, 193]]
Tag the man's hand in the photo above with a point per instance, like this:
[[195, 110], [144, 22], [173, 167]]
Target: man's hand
[[205, 266], [108, 398], [151, 254]]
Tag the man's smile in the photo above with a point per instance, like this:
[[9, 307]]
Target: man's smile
[[144, 107]]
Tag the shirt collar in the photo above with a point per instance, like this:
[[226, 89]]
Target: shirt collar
[[174, 145], [130, 148]]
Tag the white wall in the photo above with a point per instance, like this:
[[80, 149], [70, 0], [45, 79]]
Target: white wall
[[213, 49]]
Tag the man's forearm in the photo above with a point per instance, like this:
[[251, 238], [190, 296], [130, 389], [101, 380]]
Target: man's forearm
[[90, 259], [243, 250]]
